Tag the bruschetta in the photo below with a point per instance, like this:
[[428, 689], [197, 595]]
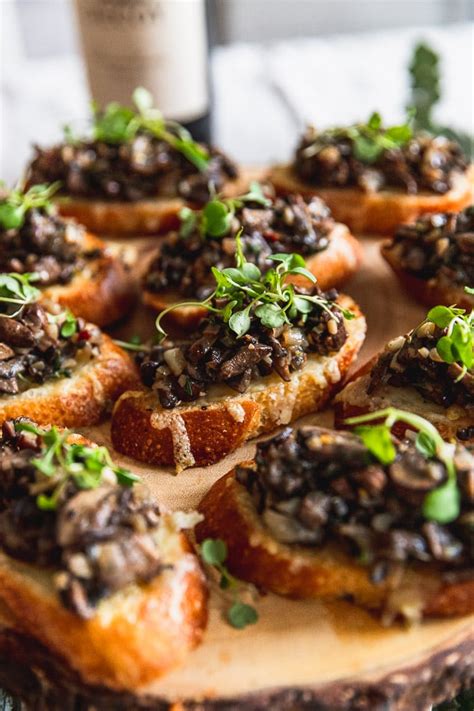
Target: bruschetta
[[53, 366], [134, 173], [181, 268], [89, 565], [375, 178], [268, 353], [71, 266], [429, 371], [434, 258], [364, 517]]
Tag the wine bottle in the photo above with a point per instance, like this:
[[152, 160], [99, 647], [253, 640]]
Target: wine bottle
[[161, 45]]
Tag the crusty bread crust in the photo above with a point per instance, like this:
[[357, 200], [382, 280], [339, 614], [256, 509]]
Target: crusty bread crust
[[124, 218], [332, 267], [141, 217], [295, 571], [428, 291], [135, 636], [353, 400], [81, 400], [379, 212], [102, 293], [205, 431]]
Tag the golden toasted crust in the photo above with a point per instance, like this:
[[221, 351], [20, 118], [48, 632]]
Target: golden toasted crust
[[380, 212], [78, 401], [124, 218], [102, 293], [428, 291], [354, 400], [151, 216], [332, 267], [205, 431], [135, 636], [256, 556]]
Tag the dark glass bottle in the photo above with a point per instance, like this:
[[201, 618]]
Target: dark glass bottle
[[161, 45]]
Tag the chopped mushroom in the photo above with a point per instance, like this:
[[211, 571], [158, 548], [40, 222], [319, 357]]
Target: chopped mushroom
[[291, 224], [312, 486]]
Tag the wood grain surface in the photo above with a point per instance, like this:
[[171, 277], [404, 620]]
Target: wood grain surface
[[300, 654]]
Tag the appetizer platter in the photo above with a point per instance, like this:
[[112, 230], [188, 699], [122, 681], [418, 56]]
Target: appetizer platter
[[238, 453]]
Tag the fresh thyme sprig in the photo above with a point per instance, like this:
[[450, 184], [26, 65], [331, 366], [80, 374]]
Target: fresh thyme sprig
[[119, 124], [62, 461], [214, 552], [16, 290], [243, 292], [17, 202], [215, 219], [369, 139], [441, 504]]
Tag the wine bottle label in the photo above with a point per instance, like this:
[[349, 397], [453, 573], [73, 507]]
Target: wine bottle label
[[158, 44]]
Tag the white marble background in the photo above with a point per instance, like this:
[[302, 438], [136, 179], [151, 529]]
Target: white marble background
[[263, 93]]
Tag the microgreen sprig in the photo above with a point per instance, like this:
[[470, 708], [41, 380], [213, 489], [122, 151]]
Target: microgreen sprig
[[62, 461], [441, 504], [17, 202], [17, 290], [134, 344], [243, 292], [457, 343], [214, 552], [369, 139], [216, 217], [119, 124]]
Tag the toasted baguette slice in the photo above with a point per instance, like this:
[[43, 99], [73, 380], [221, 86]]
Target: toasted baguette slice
[[124, 218], [354, 400], [380, 212], [256, 556], [103, 293], [332, 267], [80, 400], [205, 431], [135, 636], [142, 217], [428, 291]]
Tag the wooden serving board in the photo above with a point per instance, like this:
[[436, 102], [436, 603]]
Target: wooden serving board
[[300, 654]]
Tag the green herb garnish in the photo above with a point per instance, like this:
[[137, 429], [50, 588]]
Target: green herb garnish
[[245, 292], [425, 80], [457, 344], [134, 344], [216, 217], [120, 124], [369, 139], [214, 552], [62, 461], [441, 504], [15, 205], [69, 325], [17, 289]]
